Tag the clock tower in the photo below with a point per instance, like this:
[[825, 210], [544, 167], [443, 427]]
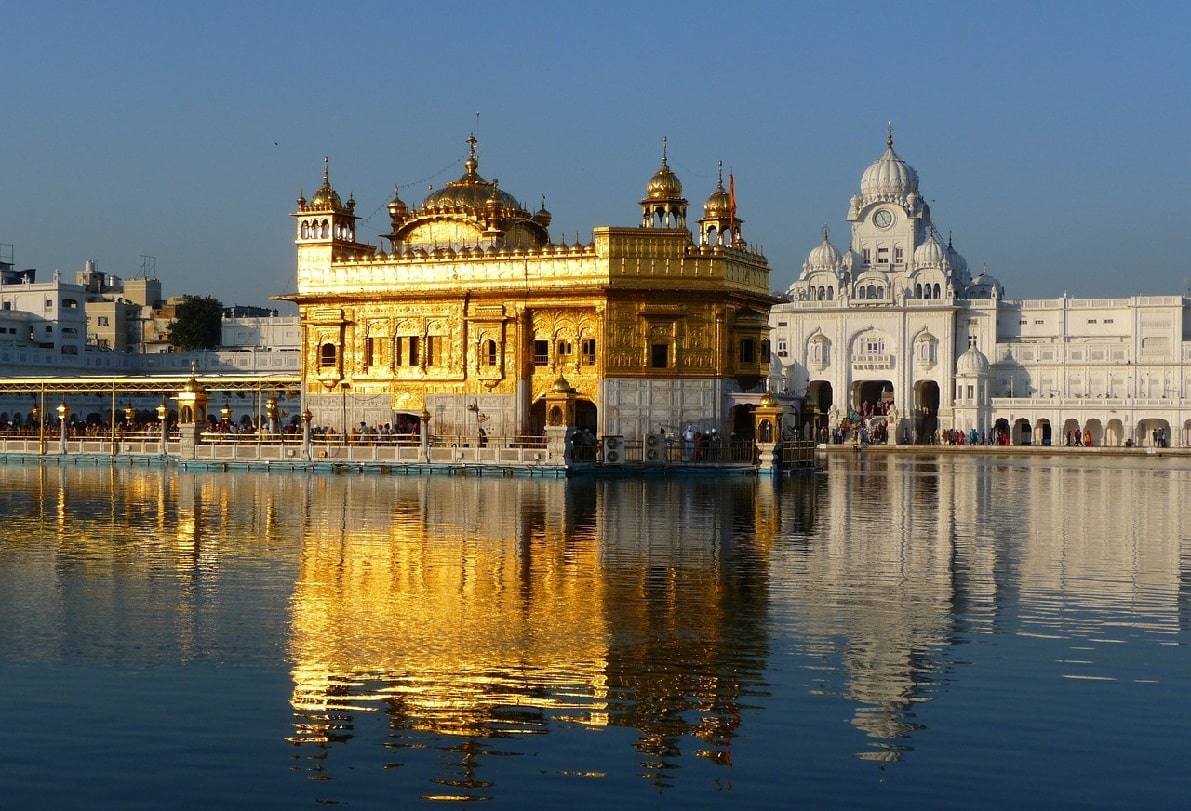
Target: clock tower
[[888, 216]]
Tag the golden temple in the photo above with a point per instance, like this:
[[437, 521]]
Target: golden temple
[[473, 314]]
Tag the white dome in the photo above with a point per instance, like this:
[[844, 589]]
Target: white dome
[[823, 256], [972, 363], [984, 286], [931, 254], [889, 178]]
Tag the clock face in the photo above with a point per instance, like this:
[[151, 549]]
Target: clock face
[[883, 219]]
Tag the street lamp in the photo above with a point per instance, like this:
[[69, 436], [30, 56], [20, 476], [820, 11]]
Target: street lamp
[[63, 413], [307, 417], [226, 411], [163, 413]]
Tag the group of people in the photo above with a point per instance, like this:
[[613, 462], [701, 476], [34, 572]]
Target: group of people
[[406, 430]]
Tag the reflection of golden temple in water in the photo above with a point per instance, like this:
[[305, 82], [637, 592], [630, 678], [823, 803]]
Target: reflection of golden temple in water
[[567, 604], [491, 608]]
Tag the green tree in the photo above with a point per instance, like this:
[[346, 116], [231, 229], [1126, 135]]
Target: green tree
[[196, 324]]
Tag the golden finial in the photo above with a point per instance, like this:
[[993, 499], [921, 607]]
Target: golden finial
[[663, 150]]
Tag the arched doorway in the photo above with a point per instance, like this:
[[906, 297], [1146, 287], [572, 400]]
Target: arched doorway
[[817, 405], [586, 415], [926, 412], [1153, 433], [742, 424], [1072, 433], [1043, 431], [1000, 432], [872, 397], [1023, 432]]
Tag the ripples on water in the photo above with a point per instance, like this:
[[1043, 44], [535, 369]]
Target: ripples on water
[[937, 631]]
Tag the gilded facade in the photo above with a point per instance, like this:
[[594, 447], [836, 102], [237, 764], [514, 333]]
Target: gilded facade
[[472, 313]]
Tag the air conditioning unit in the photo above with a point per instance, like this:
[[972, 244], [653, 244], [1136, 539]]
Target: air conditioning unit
[[654, 452], [613, 450]]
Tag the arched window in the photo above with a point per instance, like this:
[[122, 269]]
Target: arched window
[[926, 292], [938, 292], [490, 352], [821, 294], [830, 293], [917, 291], [327, 355]]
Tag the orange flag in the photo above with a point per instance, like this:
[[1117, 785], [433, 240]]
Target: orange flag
[[732, 200]]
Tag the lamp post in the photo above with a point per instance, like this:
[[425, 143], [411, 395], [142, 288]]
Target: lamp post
[[35, 415], [163, 413], [226, 412], [424, 449], [63, 413], [306, 418]]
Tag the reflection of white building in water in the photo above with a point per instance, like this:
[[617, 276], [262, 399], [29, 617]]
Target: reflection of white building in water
[[897, 317]]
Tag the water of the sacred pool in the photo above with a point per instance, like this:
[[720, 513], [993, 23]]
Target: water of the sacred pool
[[889, 631]]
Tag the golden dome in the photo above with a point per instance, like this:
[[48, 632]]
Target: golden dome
[[562, 386], [664, 185], [326, 197], [768, 400], [719, 204], [397, 207], [471, 192], [543, 217]]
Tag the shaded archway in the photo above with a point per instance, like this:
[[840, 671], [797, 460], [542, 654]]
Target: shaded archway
[[741, 422], [926, 411], [816, 406], [1000, 432], [872, 397], [586, 415]]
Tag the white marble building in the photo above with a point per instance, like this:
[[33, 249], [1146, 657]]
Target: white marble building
[[896, 320]]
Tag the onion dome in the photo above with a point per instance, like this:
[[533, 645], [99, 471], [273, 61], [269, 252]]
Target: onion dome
[[823, 256], [561, 386], [664, 185], [470, 192], [397, 207], [719, 204], [768, 400], [543, 217], [326, 197], [931, 253], [890, 177], [972, 362], [984, 286]]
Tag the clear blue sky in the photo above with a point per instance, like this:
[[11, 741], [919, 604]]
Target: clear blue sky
[[1050, 137]]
